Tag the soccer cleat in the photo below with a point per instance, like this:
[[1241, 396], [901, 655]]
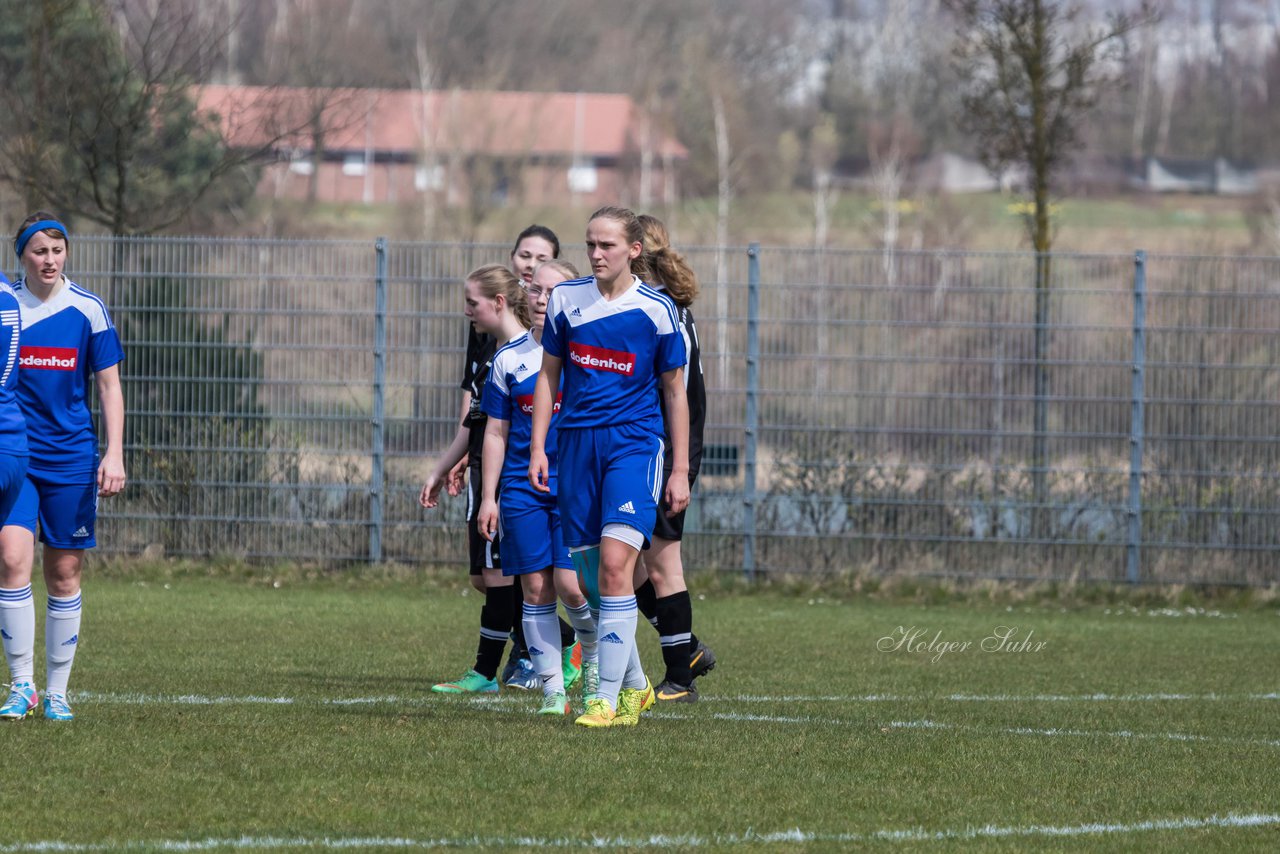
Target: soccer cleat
[[56, 708], [597, 714], [572, 665], [674, 692], [702, 660], [590, 680], [631, 702], [554, 704], [470, 683], [22, 702], [525, 678]]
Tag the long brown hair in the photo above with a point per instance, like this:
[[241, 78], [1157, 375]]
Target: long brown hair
[[667, 266], [494, 280]]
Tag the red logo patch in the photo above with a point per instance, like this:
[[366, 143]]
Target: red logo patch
[[525, 402], [602, 359], [48, 358]]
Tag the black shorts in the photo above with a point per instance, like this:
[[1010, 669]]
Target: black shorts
[[670, 527], [484, 554]]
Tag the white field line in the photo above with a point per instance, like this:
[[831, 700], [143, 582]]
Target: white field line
[[499, 699], [1054, 732], [515, 704], [661, 841]]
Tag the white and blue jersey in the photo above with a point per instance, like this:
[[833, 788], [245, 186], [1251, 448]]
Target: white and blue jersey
[[529, 524], [612, 352], [64, 342], [13, 426], [508, 395]]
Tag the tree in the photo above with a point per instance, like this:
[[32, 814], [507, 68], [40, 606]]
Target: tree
[[1031, 74], [124, 146]]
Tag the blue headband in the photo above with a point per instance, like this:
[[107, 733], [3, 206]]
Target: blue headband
[[29, 232]]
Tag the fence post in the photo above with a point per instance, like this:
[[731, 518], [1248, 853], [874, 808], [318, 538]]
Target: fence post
[[753, 412], [1136, 427], [377, 475]]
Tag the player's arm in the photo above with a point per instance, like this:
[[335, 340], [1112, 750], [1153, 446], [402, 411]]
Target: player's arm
[[111, 476], [544, 395], [496, 431], [677, 405], [454, 454]]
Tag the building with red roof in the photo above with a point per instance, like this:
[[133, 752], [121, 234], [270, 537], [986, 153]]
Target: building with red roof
[[468, 147]]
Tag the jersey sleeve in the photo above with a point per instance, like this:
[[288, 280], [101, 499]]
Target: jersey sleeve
[[495, 401], [670, 352], [553, 334], [104, 348]]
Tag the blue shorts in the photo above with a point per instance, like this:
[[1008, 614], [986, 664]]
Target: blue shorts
[[66, 511], [608, 475], [529, 529], [13, 473]]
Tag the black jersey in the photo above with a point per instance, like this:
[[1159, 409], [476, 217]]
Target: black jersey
[[480, 350], [695, 390]]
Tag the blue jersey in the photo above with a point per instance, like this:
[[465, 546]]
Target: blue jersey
[[612, 352], [13, 426], [64, 342], [509, 396]]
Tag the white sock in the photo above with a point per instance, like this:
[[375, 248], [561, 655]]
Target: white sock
[[542, 636], [617, 629], [584, 626], [634, 677], [61, 637], [18, 630]]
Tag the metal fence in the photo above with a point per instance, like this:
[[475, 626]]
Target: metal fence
[[887, 412]]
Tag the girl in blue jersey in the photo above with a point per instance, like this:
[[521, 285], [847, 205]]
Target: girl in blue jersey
[[531, 540], [13, 426], [501, 612], [67, 338], [616, 344]]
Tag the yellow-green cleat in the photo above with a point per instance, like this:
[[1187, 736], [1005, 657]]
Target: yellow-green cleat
[[633, 701], [597, 714]]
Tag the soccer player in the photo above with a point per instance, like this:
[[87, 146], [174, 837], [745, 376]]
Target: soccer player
[[501, 609], [13, 426], [67, 337], [531, 541], [616, 343], [663, 597]]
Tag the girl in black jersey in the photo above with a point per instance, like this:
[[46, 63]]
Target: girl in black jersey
[[662, 596]]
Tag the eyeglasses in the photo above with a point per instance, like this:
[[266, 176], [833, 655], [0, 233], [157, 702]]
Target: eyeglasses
[[537, 292]]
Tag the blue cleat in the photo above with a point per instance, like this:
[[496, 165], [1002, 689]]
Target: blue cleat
[[525, 678], [56, 708], [22, 702]]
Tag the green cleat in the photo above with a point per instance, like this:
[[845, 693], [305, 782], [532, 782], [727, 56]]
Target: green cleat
[[470, 683], [554, 704]]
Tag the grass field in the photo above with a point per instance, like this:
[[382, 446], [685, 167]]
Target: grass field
[[229, 713]]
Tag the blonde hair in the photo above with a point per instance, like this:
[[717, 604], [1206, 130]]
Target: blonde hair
[[666, 264], [496, 280], [561, 266]]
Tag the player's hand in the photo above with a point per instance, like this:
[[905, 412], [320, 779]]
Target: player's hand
[[677, 493], [539, 477], [456, 480], [487, 519], [111, 477], [430, 494]]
